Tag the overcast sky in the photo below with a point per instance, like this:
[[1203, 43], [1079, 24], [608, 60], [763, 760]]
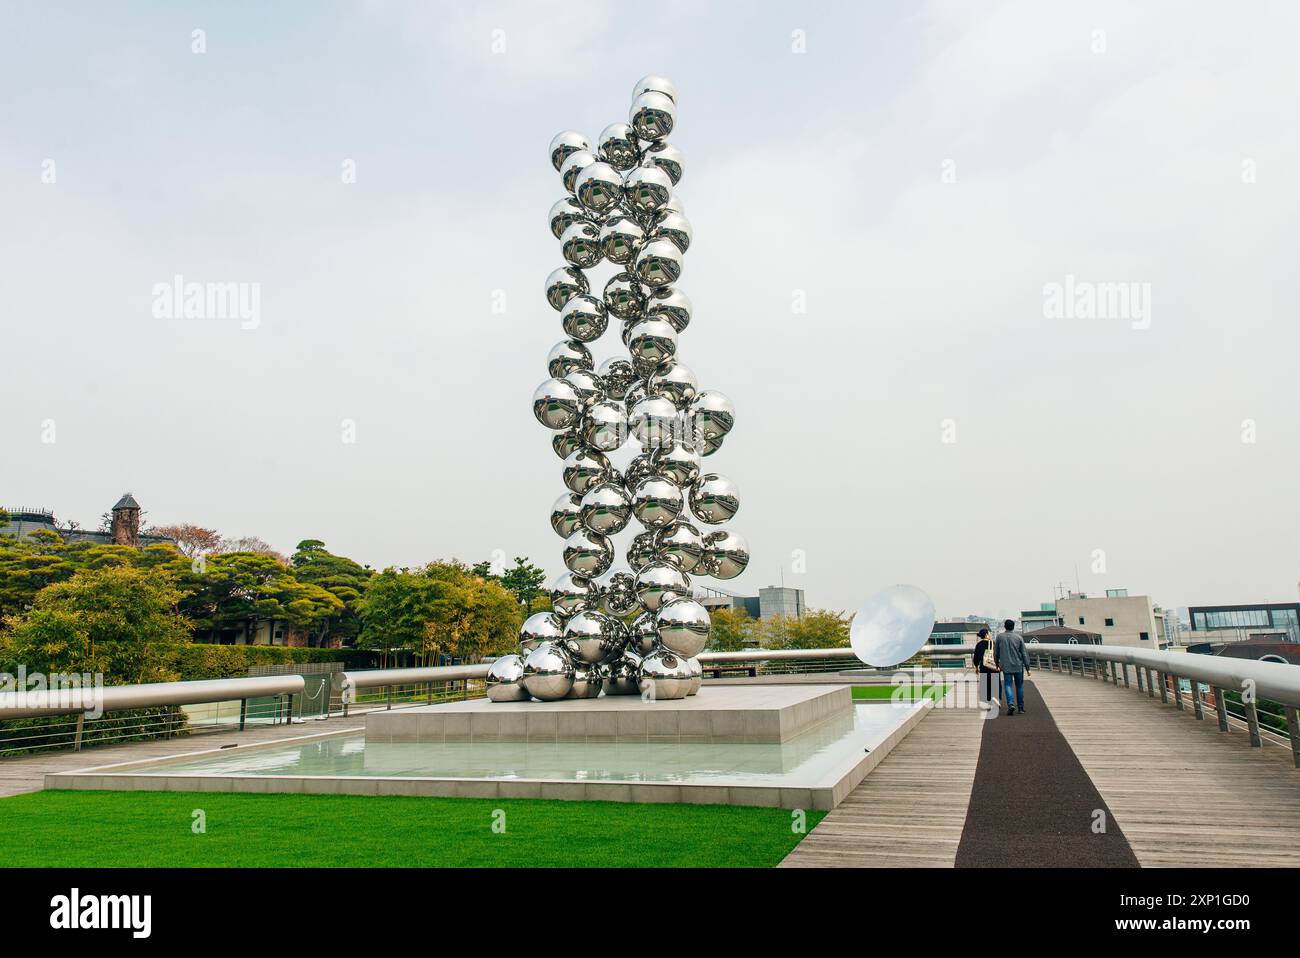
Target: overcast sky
[[917, 174]]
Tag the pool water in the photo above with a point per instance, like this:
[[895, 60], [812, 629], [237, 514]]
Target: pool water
[[816, 755]]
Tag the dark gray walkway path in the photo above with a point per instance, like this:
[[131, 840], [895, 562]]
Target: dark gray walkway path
[[1033, 805]]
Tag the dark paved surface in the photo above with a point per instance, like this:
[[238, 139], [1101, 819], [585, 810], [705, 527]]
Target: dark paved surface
[[1033, 805]]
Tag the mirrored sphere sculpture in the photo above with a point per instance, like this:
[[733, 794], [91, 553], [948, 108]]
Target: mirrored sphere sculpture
[[683, 626], [505, 680], [623, 237], [668, 673], [548, 672], [891, 626]]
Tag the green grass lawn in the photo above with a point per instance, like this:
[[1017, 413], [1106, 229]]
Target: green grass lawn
[[153, 829], [906, 693]]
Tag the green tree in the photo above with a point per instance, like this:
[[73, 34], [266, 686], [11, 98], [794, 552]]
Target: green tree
[[815, 629], [342, 578], [246, 588], [524, 579], [444, 608], [119, 621], [731, 630]]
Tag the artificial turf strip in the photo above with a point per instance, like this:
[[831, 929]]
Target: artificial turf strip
[[904, 693], [153, 829]]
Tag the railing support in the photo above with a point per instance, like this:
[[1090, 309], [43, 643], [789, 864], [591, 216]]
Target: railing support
[[1151, 683], [1220, 707], [243, 713], [1164, 687], [1124, 666], [81, 726], [1252, 724], [1178, 694], [1197, 708], [288, 709], [1293, 727], [390, 697], [1141, 679], [430, 693]]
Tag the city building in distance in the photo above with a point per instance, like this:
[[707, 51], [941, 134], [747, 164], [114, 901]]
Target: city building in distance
[[1259, 621], [1119, 618]]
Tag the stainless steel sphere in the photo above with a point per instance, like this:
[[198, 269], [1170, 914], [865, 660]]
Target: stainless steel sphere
[[652, 83], [564, 214], [670, 304], [566, 514], [599, 187], [713, 414], [653, 421], [588, 554], [623, 296], [680, 544], [623, 675], [683, 626], [658, 582], [652, 343], [643, 634], [725, 555], [697, 676], [563, 284], [594, 637], [580, 245], [658, 264], [677, 382], [617, 376], [656, 502], [708, 447], [676, 463], [584, 469], [652, 115], [548, 672], [621, 239], [618, 593], [571, 594], [564, 145], [642, 550], [538, 628], [606, 509], [668, 673], [647, 188], [604, 425], [635, 393], [573, 166], [566, 357], [556, 404], [617, 145], [586, 385], [668, 158], [714, 499], [674, 227], [584, 318], [587, 681], [505, 680], [566, 444]]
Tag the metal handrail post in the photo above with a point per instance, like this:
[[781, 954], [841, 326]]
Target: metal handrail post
[[1252, 724], [1124, 667], [1140, 677], [1293, 730], [1151, 683], [81, 725], [243, 713], [1221, 707], [1178, 694], [1164, 687], [1197, 708]]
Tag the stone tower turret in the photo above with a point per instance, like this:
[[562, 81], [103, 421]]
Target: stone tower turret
[[126, 522]]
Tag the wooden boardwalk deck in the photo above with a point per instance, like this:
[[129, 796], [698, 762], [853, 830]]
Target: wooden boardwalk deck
[[1184, 792], [910, 810]]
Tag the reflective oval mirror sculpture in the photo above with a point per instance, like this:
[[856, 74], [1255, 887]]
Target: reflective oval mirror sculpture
[[892, 626], [636, 630]]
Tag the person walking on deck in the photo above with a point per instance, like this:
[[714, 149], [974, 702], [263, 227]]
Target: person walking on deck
[[986, 671], [1013, 660]]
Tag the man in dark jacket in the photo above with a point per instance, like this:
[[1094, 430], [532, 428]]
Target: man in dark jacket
[[1013, 660]]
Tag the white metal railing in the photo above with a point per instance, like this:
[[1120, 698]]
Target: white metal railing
[[1252, 680]]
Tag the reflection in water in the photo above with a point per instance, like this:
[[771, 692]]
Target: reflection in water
[[807, 757]]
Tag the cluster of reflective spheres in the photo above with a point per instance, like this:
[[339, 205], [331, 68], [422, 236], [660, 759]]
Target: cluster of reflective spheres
[[636, 629]]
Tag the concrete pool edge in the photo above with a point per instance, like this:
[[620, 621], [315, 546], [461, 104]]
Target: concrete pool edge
[[824, 794]]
